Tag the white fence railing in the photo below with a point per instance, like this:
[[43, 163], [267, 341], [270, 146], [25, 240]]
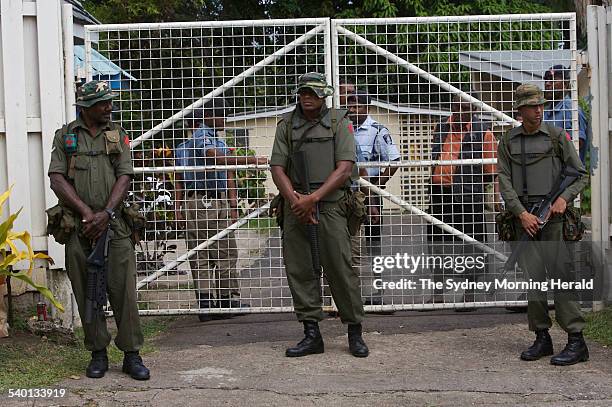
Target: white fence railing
[[429, 81]]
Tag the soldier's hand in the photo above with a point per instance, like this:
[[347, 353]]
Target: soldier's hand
[[558, 208], [310, 219], [94, 225], [87, 223], [262, 160], [304, 208], [530, 223]]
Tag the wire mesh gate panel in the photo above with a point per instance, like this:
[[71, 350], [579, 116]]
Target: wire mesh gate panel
[[201, 102]]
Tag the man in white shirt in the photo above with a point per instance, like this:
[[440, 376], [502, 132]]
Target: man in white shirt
[[376, 145]]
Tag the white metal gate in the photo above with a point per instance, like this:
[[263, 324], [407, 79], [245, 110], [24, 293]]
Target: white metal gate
[[415, 71], [599, 24]]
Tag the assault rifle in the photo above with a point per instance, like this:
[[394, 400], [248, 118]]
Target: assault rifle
[[301, 166], [97, 271], [541, 210]]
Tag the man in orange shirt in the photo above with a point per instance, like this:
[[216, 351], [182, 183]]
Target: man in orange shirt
[[457, 191]]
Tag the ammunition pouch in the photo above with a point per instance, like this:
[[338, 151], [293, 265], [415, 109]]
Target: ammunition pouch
[[135, 220], [61, 223], [276, 209], [112, 141], [573, 227], [505, 225], [354, 207]]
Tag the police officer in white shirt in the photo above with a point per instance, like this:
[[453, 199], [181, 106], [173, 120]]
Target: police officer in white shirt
[[376, 144], [372, 137]]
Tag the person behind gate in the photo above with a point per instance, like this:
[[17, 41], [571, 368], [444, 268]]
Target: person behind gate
[[324, 139], [531, 160], [558, 110], [210, 206], [90, 172], [457, 191], [376, 144]]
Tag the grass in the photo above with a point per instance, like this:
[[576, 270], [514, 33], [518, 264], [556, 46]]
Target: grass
[[29, 362], [599, 326]]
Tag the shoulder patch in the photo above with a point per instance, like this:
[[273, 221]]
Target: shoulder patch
[[350, 128], [126, 140], [387, 138], [70, 143], [567, 136]]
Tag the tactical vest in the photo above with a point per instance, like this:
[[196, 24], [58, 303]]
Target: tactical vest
[[467, 179], [112, 142], [91, 166], [543, 161], [318, 143]]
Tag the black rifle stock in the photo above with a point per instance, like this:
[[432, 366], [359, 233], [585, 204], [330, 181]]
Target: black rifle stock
[[97, 268], [301, 167], [541, 211]]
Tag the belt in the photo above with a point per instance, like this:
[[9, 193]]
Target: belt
[[207, 194]]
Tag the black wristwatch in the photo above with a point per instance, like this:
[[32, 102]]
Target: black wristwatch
[[111, 213]]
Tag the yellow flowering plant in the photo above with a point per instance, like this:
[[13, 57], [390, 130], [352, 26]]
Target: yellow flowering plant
[[10, 254]]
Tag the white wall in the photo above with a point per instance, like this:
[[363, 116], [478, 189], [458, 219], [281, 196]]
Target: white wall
[[32, 106], [35, 100]]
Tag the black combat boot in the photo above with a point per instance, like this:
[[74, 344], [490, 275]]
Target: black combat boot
[[575, 351], [357, 345], [206, 302], [227, 302], [311, 344], [541, 347], [98, 365], [132, 365]]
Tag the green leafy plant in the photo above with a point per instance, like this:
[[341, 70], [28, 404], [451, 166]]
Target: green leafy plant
[[250, 183], [10, 254]]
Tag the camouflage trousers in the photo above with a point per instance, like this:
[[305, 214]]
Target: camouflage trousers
[[214, 268], [335, 257], [121, 289], [547, 257]]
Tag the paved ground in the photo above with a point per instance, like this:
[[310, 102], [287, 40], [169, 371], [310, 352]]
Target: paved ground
[[437, 358]]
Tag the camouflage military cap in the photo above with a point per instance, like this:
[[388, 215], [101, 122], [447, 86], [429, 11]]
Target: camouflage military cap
[[93, 92], [316, 82], [528, 95]]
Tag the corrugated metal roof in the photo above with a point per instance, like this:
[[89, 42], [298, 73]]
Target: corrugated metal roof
[[278, 111], [101, 65], [517, 66], [79, 12]]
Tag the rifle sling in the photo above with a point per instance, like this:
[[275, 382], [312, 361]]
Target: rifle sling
[[525, 195]]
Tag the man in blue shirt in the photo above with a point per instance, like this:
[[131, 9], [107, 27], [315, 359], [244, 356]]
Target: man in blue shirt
[[210, 206], [375, 142], [558, 112]]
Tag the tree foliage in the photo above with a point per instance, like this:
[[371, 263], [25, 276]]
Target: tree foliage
[[121, 11]]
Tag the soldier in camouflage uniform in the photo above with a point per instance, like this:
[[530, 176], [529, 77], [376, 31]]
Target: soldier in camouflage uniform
[[529, 165], [326, 137], [90, 172]]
